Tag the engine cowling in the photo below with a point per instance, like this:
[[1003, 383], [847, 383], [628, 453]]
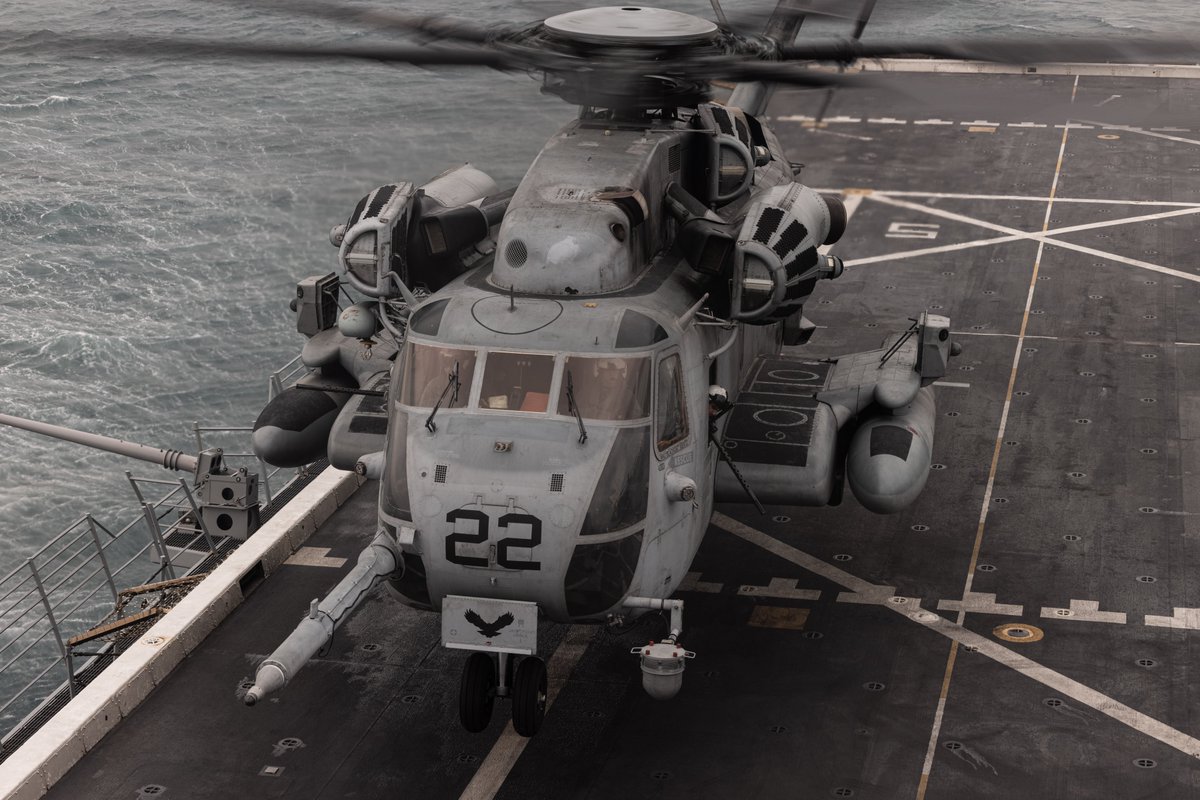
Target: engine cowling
[[776, 263], [416, 234]]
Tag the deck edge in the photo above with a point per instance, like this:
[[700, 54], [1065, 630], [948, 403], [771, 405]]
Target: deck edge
[[31, 771]]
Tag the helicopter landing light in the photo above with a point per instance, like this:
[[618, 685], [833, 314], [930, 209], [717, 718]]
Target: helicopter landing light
[[631, 25]]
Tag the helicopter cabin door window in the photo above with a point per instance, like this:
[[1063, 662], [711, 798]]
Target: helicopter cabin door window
[[517, 382], [431, 372], [671, 424], [608, 388]]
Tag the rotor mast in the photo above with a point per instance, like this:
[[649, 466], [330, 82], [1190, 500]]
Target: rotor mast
[[753, 96]]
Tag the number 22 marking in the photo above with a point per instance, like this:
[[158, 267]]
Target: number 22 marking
[[480, 536]]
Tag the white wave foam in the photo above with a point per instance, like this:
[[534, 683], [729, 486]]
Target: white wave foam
[[52, 100]]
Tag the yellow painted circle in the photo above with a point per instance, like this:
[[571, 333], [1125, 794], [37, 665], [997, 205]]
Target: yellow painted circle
[[1018, 632], [1109, 136]]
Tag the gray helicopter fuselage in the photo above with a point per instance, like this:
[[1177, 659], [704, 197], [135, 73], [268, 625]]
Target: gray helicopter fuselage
[[504, 498]]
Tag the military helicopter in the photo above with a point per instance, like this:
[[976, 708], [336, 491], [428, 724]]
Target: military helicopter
[[556, 371], [546, 379]]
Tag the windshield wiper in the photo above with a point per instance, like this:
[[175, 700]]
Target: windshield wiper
[[452, 383], [573, 407]]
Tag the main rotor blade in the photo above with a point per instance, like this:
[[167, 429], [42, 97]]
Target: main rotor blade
[[752, 22], [1036, 51], [433, 26], [864, 16], [775, 72], [75, 44]]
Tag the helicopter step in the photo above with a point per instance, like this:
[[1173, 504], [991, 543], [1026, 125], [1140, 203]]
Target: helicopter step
[[782, 437], [507, 628]]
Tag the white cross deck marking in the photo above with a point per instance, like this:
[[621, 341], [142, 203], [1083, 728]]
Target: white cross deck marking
[[997, 652], [1013, 234], [314, 557], [1187, 619], [781, 589], [1086, 611], [877, 596], [981, 603]]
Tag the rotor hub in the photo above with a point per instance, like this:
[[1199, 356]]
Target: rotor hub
[[631, 25]]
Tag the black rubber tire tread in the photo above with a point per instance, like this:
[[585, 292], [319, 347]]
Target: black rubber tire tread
[[529, 696], [476, 692]]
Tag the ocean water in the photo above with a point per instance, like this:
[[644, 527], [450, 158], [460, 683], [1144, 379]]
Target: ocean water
[[155, 213]]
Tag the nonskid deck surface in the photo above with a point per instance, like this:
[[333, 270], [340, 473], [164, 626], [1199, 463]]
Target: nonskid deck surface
[[1025, 629]]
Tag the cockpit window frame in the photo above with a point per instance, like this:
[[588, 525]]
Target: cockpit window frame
[[647, 356], [475, 401], [397, 388], [680, 442], [474, 390]]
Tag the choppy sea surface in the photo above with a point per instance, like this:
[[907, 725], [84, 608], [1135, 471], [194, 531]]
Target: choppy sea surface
[[156, 213]]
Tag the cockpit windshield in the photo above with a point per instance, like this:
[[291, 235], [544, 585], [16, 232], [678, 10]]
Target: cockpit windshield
[[517, 382], [608, 387], [427, 371]]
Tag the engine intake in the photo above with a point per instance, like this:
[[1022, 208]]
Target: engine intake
[[776, 263]]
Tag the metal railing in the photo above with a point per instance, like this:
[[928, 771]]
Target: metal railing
[[53, 596], [70, 585], [288, 374]]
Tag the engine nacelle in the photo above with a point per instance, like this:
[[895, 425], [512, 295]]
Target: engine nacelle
[[776, 263], [416, 235]]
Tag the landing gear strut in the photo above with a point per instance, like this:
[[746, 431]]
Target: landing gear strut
[[483, 680]]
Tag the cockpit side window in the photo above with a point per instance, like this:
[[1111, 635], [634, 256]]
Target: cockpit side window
[[607, 388], [671, 422], [426, 374], [517, 382]]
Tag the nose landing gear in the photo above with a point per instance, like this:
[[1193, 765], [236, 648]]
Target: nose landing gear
[[483, 680], [476, 692]]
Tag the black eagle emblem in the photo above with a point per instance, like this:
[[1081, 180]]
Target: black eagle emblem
[[489, 629]]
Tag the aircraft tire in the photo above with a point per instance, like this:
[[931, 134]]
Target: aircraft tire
[[529, 696], [476, 692]]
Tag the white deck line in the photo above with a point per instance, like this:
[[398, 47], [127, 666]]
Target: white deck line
[[60, 743]]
